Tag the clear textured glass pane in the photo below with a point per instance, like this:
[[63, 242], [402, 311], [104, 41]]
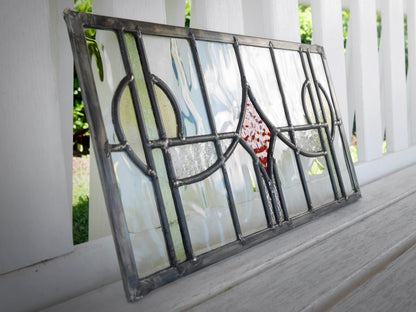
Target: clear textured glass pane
[[290, 180], [207, 213], [321, 77], [141, 214], [192, 159], [145, 104], [308, 140], [108, 75], [169, 204], [293, 78], [171, 60], [258, 66], [223, 83], [318, 181], [246, 191]]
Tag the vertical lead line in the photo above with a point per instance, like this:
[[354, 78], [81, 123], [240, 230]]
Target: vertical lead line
[[211, 121], [328, 134], [148, 155], [183, 227], [320, 131], [291, 132]]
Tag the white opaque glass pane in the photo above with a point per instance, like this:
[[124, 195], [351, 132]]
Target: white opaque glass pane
[[207, 213], [261, 78], [171, 60], [246, 193], [223, 83]]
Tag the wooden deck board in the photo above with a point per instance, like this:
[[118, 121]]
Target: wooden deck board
[[293, 270]]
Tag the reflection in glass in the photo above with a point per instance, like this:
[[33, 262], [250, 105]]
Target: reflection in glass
[[141, 215], [223, 83], [191, 159], [318, 181], [171, 60], [293, 78], [290, 180], [246, 191], [207, 213], [261, 78], [113, 73]]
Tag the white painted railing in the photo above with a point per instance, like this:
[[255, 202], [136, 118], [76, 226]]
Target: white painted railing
[[35, 126]]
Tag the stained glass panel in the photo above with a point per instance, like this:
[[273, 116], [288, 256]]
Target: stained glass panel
[[207, 143]]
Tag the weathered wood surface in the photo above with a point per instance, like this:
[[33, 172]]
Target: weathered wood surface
[[315, 267]]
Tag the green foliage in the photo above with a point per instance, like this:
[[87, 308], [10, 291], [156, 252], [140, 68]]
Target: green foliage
[[305, 20], [345, 21], [80, 220], [84, 6], [188, 13]]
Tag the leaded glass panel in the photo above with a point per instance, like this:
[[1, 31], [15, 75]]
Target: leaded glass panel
[[207, 143]]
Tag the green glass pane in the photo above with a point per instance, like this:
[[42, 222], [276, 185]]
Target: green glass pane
[[169, 205], [145, 103]]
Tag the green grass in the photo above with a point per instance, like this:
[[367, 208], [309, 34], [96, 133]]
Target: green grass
[[80, 199]]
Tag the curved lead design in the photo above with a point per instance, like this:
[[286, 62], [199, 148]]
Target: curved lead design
[[331, 109], [165, 88], [115, 115], [303, 92]]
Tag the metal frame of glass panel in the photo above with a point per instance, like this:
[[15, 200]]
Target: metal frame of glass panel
[[325, 120]]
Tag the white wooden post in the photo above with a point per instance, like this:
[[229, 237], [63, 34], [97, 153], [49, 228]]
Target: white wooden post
[[393, 75], [411, 73], [328, 32], [35, 158], [272, 19], [175, 12], [145, 10], [218, 15], [363, 78]]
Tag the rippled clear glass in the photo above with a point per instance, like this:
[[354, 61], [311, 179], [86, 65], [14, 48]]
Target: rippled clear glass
[[293, 77], [207, 213], [318, 181], [141, 215], [113, 73], [223, 83], [171, 60], [245, 188], [258, 67], [191, 159], [290, 180], [339, 152]]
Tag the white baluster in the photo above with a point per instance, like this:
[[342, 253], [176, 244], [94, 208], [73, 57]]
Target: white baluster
[[272, 19], [363, 78], [218, 15], [328, 32], [411, 74], [393, 75]]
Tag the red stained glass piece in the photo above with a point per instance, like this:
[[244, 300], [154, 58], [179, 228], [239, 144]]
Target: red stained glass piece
[[256, 133]]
